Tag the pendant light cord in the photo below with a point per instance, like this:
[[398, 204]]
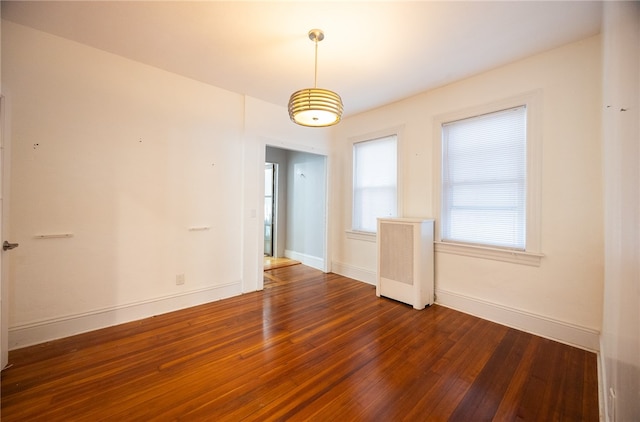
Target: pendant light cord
[[315, 76]]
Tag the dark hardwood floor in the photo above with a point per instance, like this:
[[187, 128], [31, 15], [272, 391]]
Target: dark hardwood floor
[[311, 346]]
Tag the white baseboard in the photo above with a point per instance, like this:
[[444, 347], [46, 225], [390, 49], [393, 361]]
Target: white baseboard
[[308, 260], [563, 332], [356, 273], [55, 328]]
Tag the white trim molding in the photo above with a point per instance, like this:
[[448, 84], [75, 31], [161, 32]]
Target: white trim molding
[[563, 332], [316, 262], [507, 255], [396, 131], [357, 273], [533, 101], [359, 235], [56, 328]]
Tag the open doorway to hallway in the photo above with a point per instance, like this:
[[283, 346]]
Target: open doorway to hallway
[[295, 214]]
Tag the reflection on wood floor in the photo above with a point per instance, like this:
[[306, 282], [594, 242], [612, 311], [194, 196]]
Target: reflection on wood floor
[[271, 263], [312, 347]]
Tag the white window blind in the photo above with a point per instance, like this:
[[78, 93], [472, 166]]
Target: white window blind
[[484, 179], [374, 182]]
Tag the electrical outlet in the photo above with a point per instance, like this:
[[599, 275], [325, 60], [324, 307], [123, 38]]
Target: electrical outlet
[[611, 410], [179, 279]]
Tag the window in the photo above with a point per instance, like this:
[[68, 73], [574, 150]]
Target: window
[[484, 179], [375, 177]]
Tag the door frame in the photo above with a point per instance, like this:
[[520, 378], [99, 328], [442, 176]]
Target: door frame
[[326, 268], [274, 209], [4, 202]]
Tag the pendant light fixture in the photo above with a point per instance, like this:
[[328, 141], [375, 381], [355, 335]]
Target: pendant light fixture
[[315, 107]]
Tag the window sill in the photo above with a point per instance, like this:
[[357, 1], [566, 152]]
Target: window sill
[[516, 257], [358, 235]]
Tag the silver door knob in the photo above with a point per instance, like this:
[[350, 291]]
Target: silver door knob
[[8, 246]]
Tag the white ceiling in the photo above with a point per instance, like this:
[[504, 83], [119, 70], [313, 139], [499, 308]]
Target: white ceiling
[[374, 52]]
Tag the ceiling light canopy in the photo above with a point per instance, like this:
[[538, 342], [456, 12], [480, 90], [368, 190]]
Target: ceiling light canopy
[[315, 107]]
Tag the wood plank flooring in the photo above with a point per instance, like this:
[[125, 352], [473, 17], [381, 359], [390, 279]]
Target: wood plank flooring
[[311, 346], [272, 263]]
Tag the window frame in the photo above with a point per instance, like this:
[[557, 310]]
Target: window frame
[[532, 253], [396, 131]]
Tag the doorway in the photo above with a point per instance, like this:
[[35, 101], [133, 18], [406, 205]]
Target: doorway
[[272, 259], [295, 207]]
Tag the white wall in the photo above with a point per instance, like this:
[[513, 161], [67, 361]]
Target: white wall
[[306, 208], [620, 341], [4, 274], [267, 124], [562, 298], [127, 159]]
